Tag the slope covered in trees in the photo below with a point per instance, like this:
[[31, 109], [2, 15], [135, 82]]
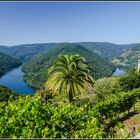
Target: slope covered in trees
[[28, 51], [7, 63], [105, 49], [36, 69]]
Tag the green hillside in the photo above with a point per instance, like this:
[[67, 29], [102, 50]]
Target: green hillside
[[128, 58], [7, 63], [105, 49], [36, 69], [28, 51]]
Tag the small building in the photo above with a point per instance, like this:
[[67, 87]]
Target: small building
[[137, 136], [138, 63]]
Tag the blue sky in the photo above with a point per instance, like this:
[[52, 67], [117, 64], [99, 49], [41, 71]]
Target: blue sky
[[42, 22]]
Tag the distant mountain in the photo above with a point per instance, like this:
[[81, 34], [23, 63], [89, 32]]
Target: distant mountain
[[28, 51], [7, 63], [36, 69], [128, 58], [105, 49]]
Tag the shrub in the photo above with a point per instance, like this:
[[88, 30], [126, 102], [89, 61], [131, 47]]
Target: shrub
[[130, 80], [30, 117], [106, 87]]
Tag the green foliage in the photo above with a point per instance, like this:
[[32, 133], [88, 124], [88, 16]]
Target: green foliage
[[130, 80], [105, 87], [122, 133], [29, 117], [36, 69], [69, 75], [7, 63], [6, 94], [118, 103]]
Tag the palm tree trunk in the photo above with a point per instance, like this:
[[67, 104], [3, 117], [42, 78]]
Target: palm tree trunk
[[70, 96]]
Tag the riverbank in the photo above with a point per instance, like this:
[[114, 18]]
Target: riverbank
[[15, 80]]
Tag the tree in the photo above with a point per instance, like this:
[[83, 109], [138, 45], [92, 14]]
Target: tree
[[105, 87], [69, 75], [130, 80]]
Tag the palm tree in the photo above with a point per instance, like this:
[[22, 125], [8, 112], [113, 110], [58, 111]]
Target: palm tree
[[69, 75]]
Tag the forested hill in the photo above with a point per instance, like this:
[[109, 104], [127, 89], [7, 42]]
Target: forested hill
[[128, 58], [36, 69], [28, 51], [7, 63], [106, 49]]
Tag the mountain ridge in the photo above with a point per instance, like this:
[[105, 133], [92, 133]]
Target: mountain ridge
[[25, 52]]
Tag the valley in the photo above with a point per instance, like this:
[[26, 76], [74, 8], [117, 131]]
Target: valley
[[38, 57], [66, 84], [26, 52], [69, 70], [103, 57], [35, 70]]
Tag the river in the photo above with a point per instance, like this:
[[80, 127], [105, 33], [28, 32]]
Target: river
[[119, 72], [14, 81]]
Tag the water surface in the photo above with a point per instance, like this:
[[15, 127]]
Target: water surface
[[14, 81], [119, 72]]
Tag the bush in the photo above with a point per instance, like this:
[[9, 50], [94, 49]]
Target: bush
[[130, 81], [106, 87], [119, 103], [30, 117]]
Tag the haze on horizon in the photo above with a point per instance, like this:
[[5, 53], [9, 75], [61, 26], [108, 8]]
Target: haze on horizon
[[46, 22]]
